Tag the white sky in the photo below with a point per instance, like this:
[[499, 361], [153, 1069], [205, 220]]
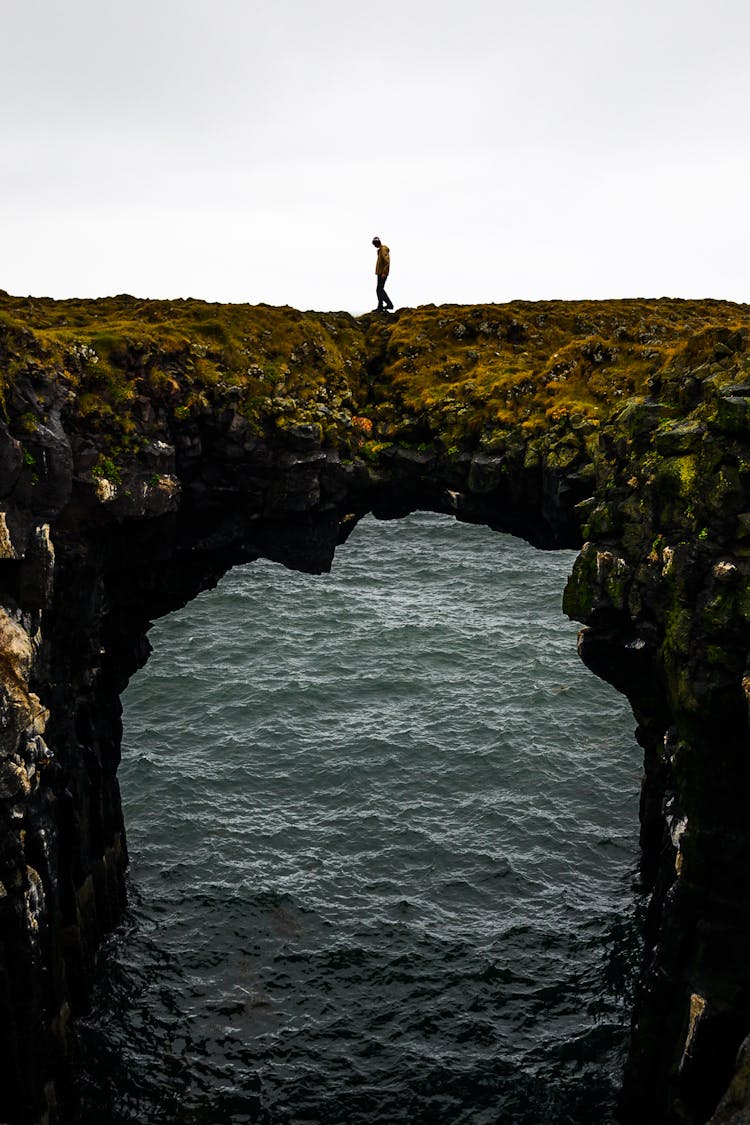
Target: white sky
[[238, 151]]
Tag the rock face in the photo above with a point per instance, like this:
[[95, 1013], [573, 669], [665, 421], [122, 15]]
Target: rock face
[[146, 448]]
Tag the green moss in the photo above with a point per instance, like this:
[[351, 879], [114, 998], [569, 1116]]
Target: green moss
[[106, 469], [683, 472], [371, 450], [466, 374], [581, 589], [678, 621]]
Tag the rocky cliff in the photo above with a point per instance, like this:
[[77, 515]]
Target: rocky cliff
[[146, 447]]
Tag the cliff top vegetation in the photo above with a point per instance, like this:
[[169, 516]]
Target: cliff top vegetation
[[461, 376]]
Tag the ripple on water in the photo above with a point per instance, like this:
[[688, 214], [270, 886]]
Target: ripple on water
[[382, 824]]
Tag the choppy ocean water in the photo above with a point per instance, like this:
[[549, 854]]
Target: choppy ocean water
[[383, 832]]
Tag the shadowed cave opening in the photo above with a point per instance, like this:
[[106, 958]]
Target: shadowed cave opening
[[383, 835]]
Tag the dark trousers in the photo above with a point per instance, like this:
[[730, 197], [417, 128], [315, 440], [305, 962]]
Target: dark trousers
[[384, 301]]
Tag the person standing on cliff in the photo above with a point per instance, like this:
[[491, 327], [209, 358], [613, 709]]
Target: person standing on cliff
[[382, 269]]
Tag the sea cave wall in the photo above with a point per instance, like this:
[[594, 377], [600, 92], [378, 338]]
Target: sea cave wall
[[147, 447]]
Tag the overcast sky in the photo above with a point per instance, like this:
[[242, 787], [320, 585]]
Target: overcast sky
[[238, 151]]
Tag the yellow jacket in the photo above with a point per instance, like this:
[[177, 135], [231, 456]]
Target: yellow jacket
[[383, 264]]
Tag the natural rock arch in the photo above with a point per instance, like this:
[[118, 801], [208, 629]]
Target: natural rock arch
[[165, 752], [148, 448]]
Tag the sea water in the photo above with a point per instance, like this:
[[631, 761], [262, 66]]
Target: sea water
[[383, 834]]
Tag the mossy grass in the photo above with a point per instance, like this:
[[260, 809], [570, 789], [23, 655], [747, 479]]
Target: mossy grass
[[459, 375]]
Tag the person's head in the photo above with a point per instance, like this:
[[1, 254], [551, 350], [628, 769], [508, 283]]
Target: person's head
[[376, 242]]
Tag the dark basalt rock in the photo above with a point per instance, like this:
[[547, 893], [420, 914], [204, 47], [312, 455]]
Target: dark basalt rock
[[108, 521]]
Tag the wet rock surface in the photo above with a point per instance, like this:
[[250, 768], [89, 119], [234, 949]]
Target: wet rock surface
[[139, 462]]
